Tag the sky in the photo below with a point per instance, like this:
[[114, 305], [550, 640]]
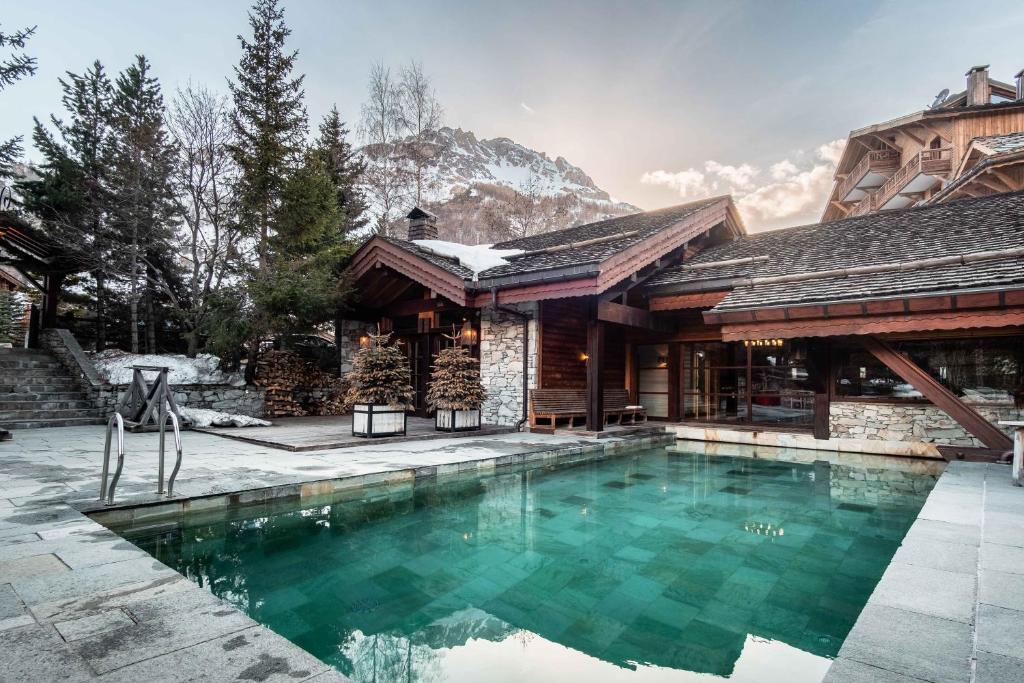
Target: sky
[[659, 102]]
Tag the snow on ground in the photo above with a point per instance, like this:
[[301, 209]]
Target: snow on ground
[[476, 257], [201, 417], [115, 366]]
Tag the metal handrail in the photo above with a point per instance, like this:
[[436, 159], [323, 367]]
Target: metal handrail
[[177, 447], [104, 491]]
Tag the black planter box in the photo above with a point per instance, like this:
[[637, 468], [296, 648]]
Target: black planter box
[[372, 421], [457, 420]]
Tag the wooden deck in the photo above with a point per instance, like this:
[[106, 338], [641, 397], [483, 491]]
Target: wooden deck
[[326, 432]]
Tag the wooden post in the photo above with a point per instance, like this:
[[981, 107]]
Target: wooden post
[[595, 375], [674, 376], [52, 283]]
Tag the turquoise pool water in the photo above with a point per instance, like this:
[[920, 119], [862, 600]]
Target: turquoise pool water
[[658, 566]]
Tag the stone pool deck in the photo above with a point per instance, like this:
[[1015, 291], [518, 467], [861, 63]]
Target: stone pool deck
[[950, 607], [79, 603]]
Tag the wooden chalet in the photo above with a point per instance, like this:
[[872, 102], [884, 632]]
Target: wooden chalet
[[891, 328], [968, 144]]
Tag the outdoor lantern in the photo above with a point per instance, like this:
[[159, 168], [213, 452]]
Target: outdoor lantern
[[364, 341]]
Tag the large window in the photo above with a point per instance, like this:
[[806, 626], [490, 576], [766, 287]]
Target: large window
[[762, 382], [980, 370], [652, 378]]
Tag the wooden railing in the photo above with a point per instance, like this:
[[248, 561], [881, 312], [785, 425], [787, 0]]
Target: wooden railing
[[928, 161], [879, 160]]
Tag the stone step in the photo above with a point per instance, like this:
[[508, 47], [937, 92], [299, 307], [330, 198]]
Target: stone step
[[33, 381], [33, 377], [77, 403], [6, 415], [27, 395], [7, 364], [61, 422], [65, 384]]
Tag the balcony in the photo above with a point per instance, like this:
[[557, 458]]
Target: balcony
[[924, 171], [872, 170]]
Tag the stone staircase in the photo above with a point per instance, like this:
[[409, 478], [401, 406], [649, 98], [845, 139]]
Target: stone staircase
[[37, 391]]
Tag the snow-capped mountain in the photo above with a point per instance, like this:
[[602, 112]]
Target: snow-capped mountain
[[490, 189]]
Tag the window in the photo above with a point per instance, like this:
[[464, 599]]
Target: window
[[980, 370], [762, 382]]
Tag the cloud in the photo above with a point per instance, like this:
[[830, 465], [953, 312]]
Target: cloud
[[789, 192], [527, 108]]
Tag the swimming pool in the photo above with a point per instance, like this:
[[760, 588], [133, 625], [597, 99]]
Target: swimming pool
[[654, 566]]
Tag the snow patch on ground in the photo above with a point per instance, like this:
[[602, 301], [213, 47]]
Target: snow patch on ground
[[201, 417], [476, 257], [115, 366]]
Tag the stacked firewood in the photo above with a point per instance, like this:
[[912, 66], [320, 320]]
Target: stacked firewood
[[294, 387]]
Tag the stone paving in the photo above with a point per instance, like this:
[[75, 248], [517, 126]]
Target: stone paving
[[950, 607], [78, 603]]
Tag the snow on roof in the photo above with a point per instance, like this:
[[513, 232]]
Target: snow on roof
[[476, 257]]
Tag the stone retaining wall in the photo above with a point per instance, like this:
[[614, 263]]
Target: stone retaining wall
[[226, 398], [922, 422], [501, 363]]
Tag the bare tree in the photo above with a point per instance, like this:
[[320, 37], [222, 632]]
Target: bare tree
[[380, 127], [420, 113], [210, 239], [525, 211]]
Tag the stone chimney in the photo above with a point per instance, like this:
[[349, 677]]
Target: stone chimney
[[422, 225], [1020, 84], [978, 89]]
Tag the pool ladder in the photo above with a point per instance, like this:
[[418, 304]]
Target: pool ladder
[[107, 494]]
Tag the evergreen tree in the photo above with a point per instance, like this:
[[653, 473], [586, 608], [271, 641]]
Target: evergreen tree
[[300, 285], [345, 169], [455, 381], [380, 374], [269, 120], [142, 165], [72, 197], [9, 317], [13, 68]]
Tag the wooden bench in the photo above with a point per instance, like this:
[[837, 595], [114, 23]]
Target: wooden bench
[[551, 405]]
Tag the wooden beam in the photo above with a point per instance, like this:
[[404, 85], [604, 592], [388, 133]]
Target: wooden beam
[[417, 306], [1011, 183], [943, 398], [595, 375], [992, 184], [935, 131], [674, 302], [620, 314]]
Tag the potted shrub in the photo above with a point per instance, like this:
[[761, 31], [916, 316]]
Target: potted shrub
[[380, 391], [455, 393]]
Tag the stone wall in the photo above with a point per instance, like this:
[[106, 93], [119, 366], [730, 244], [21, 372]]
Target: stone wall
[[348, 336], [226, 398], [909, 422], [501, 362]]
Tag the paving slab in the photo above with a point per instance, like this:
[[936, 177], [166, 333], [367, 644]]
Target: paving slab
[[959, 558], [929, 591], [37, 653], [911, 644], [851, 671], [1003, 558], [993, 668], [252, 654], [93, 625], [999, 630], [1002, 589]]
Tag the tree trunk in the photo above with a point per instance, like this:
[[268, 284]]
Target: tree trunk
[[133, 300], [251, 360], [150, 312], [101, 310], [192, 339]]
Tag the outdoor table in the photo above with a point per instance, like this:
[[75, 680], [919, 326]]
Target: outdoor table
[[1018, 449]]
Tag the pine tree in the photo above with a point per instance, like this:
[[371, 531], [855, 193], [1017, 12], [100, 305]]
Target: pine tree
[[345, 168], [141, 180], [72, 197], [269, 120], [8, 316], [12, 69], [300, 284], [380, 374], [455, 381]]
